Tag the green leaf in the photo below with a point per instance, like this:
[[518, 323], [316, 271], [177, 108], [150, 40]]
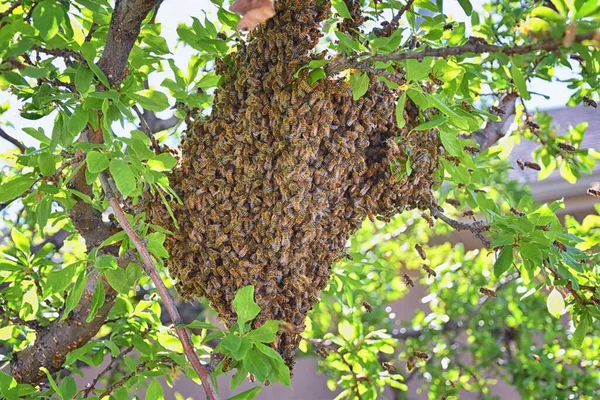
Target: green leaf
[[106, 261], [584, 324], [400, 110], [78, 120], [316, 75], [230, 343], [37, 134], [46, 163], [51, 380], [155, 391], [519, 80], [22, 242], [244, 304], [162, 162], [264, 334], [123, 176], [15, 187], [152, 100], [83, 79], [341, 8], [431, 124], [68, 388], [97, 301], [256, 364], [451, 142], [59, 280], [96, 161], [466, 6], [546, 13], [504, 261], [248, 394], [75, 294], [155, 244], [360, 84], [118, 280]]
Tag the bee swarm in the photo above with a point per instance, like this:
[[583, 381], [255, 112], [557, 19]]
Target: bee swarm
[[282, 172]]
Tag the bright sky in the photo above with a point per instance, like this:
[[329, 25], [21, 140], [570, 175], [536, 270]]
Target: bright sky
[[173, 12]]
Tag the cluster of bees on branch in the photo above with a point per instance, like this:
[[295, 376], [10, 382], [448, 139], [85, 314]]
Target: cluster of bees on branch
[[282, 172]]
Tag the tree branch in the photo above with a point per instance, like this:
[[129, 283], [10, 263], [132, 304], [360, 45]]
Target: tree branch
[[494, 131], [12, 140], [150, 269], [10, 9], [478, 227], [342, 63]]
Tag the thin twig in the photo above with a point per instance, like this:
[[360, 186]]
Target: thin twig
[[150, 269], [14, 141], [342, 63], [477, 227], [143, 366], [67, 54], [10, 9], [401, 12]]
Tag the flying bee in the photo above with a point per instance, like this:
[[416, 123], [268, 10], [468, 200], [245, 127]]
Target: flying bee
[[410, 363], [521, 164], [468, 213], [497, 110], [323, 351], [566, 147], [429, 270], [589, 102], [479, 191], [448, 27], [532, 125], [420, 251], [532, 165], [535, 357], [516, 212], [388, 366], [454, 160], [576, 57], [421, 355], [593, 192], [428, 219], [472, 150], [453, 202], [367, 306], [408, 280], [487, 292], [467, 106], [561, 246], [435, 79]]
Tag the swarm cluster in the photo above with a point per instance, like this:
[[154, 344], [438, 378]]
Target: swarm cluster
[[282, 172]]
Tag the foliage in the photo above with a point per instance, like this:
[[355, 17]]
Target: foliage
[[51, 61]]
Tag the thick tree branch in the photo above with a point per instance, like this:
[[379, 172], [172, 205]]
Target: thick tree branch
[[150, 269], [342, 63], [55, 341], [123, 31], [12, 140], [57, 239], [494, 131], [478, 227]]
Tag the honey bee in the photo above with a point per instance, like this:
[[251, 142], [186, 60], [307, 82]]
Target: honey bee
[[497, 110], [408, 280], [487, 292], [566, 147], [532, 165], [410, 363], [593, 192], [421, 355], [388, 366], [471, 150], [367, 306], [453, 202], [428, 219], [521, 164], [468, 213], [535, 357], [452, 383], [323, 351], [435, 79], [467, 106], [454, 160], [420, 251], [576, 57], [448, 26], [474, 40], [561, 246], [516, 212], [532, 125], [589, 102], [429, 270]]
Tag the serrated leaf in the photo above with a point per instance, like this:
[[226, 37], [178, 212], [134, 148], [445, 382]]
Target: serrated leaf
[[117, 279], [46, 163], [451, 142], [68, 388], [162, 162], [504, 261], [21, 241], [256, 364], [264, 334]]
